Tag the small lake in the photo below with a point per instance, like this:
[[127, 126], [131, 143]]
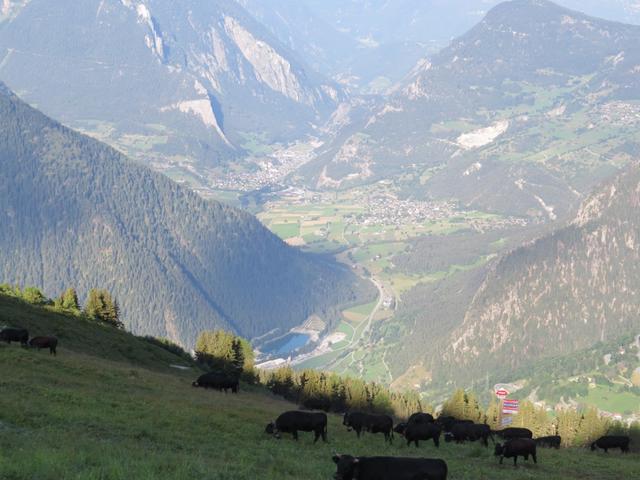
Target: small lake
[[286, 345]]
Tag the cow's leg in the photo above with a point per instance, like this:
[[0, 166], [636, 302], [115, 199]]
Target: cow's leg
[[316, 436], [417, 443], [515, 460], [535, 460], [501, 459], [295, 434], [324, 434]]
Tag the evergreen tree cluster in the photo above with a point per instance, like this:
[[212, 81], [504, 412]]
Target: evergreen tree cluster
[[31, 295], [335, 393], [223, 351], [101, 305]]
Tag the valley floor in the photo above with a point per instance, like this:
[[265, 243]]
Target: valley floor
[[83, 417]]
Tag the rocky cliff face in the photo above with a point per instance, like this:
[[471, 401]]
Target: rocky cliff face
[[193, 79], [561, 293]]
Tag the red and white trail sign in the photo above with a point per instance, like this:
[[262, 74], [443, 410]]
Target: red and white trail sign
[[501, 393]]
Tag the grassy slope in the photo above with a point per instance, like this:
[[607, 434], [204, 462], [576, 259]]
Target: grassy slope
[[118, 413]]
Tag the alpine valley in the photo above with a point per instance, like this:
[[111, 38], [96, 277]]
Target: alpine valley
[[455, 184]]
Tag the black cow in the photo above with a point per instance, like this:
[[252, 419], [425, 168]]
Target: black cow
[[294, 421], [448, 422], [365, 422], [389, 468], [422, 431], [219, 381], [518, 447], [44, 342], [461, 432], [420, 417], [612, 441], [15, 335], [552, 441], [317, 404], [514, 432], [400, 428]]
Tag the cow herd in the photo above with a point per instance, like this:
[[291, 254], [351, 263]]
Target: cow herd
[[517, 442], [21, 336]]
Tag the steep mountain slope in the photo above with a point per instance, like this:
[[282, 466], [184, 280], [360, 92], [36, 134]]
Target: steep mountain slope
[[194, 83], [559, 294], [74, 212], [522, 115], [369, 44]]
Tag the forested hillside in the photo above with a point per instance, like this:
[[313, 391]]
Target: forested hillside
[[75, 212], [561, 293]]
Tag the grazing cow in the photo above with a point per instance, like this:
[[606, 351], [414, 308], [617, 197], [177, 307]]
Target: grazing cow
[[552, 441], [514, 432], [612, 441], [420, 417], [447, 423], [219, 381], [15, 335], [294, 421], [422, 431], [400, 428], [518, 447], [365, 422], [317, 404], [44, 342], [389, 468], [461, 432]]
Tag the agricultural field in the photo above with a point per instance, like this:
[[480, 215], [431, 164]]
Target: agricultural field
[[370, 228]]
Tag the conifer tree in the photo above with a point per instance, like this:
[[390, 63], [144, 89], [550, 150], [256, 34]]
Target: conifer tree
[[69, 299], [102, 307], [34, 295]]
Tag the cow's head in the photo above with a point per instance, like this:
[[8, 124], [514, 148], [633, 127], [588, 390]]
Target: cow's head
[[499, 450], [346, 420], [400, 428], [593, 446], [271, 429], [448, 437], [195, 384], [347, 467]]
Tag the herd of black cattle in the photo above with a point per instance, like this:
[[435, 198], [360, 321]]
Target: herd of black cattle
[[517, 442], [21, 335]]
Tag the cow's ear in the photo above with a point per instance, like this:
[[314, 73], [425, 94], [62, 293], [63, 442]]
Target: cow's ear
[[356, 460], [336, 458]]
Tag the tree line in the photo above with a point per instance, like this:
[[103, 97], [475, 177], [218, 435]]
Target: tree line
[[100, 305], [578, 427]]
